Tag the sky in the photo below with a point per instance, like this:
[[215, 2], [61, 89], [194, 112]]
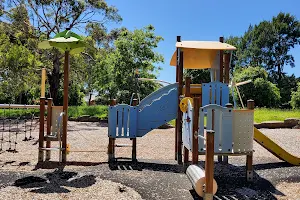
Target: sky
[[201, 20]]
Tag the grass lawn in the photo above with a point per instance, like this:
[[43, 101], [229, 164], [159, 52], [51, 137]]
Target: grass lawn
[[266, 114], [101, 111]]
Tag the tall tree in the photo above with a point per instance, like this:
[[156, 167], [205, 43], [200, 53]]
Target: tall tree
[[44, 19]]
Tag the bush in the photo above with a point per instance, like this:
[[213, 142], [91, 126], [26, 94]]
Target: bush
[[295, 100], [263, 92]]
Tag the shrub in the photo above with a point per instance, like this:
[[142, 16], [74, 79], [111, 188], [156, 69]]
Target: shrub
[[295, 98]]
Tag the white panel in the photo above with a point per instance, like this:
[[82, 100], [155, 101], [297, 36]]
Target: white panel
[[187, 127], [243, 131], [227, 131], [217, 129]]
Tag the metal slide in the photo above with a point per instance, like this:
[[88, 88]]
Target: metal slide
[[274, 148]]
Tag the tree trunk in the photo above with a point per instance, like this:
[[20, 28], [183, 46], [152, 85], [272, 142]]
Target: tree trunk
[[54, 78]]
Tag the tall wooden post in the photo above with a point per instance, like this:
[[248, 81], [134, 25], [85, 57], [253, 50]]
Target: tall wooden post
[[179, 114], [134, 103], [221, 39], [111, 141], [187, 94], [209, 165], [65, 106], [49, 123], [176, 120], [249, 159], [226, 67], [41, 133], [195, 152]]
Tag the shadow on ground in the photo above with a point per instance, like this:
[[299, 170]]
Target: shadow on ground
[[55, 182]]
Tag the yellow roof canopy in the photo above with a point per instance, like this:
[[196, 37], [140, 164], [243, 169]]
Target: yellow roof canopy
[[199, 54]]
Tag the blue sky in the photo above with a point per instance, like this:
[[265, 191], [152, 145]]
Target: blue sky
[[201, 20]]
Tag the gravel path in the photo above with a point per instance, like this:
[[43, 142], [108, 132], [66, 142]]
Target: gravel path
[[155, 176]]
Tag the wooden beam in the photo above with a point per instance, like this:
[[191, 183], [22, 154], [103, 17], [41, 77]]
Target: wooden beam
[[65, 107], [195, 151], [221, 39], [178, 39], [226, 68], [134, 103], [209, 165], [179, 114], [111, 141], [49, 123], [41, 131]]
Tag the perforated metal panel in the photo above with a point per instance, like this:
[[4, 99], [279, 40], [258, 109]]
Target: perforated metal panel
[[243, 130], [187, 127]]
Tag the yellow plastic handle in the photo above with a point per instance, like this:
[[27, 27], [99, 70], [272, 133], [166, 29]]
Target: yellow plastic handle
[[184, 103]]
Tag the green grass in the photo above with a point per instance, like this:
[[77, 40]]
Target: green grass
[[99, 111], [7, 113], [265, 114]]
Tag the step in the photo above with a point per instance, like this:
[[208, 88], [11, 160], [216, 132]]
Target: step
[[123, 145], [50, 137], [51, 149]]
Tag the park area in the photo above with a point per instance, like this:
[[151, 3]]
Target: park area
[[156, 175], [117, 100]]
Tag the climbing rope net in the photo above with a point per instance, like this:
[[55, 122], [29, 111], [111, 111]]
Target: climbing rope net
[[16, 120]]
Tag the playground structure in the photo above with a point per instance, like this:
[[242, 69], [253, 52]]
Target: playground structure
[[206, 123]]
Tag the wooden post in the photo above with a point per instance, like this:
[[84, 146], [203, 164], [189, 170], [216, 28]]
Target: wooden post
[[179, 114], [43, 82], [187, 94], [134, 103], [249, 159], [209, 165], [176, 120], [227, 67], [65, 107], [111, 141], [41, 133], [49, 123], [221, 39], [195, 152]]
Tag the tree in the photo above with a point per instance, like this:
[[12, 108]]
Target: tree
[[268, 44], [133, 51], [263, 92], [43, 19], [198, 75], [295, 100]]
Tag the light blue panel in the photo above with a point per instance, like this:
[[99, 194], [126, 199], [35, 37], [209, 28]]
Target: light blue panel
[[225, 94], [209, 119], [133, 121], [205, 94], [227, 131], [120, 120], [213, 93], [157, 94], [158, 110], [217, 129], [201, 130], [112, 121], [218, 93], [125, 121]]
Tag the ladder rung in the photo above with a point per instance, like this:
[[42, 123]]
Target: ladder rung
[[51, 148], [123, 145], [51, 137]]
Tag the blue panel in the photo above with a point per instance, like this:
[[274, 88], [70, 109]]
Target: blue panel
[[120, 121], [205, 94], [125, 121], [158, 110], [112, 121], [157, 94], [208, 119], [215, 93], [201, 131], [133, 121], [227, 131]]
